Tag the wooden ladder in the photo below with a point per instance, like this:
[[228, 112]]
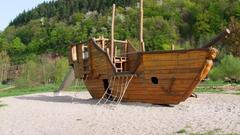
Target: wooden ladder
[[120, 63]]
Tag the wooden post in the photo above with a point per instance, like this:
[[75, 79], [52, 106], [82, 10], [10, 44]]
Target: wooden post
[[126, 48], [112, 33], [142, 46], [103, 42], [172, 47]]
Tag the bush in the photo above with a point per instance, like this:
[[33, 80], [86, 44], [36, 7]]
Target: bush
[[4, 65], [228, 67], [60, 70], [30, 76], [44, 70]]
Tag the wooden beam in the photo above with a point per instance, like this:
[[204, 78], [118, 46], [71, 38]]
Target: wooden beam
[[121, 41], [142, 46], [112, 33], [218, 38], [115, 40]]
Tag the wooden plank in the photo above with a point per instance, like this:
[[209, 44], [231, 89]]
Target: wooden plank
[[139, 81], [172, 71], [153, 97], [133, 58], [100, 62], [174, 63], [156, 101], [175, 56], [152, 92], [166, 65], [172, 67], [177, 76]]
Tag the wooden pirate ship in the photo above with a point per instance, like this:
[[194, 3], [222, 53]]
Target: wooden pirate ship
[[113, 70]]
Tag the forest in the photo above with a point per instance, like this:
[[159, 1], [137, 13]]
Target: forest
[[51, 26]]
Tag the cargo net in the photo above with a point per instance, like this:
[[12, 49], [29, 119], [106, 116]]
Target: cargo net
[[116, 89]]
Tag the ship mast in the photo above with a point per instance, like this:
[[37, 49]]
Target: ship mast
[[112, 33], [142, 46]]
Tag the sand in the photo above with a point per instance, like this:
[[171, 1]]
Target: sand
[[43, 114]]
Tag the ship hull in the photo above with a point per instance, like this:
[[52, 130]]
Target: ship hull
[[160, 77]]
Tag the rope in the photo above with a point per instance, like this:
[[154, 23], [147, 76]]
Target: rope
[[126, 86], [123, 85], [109, 95], [116, 96], [102, 98], [118, 90]]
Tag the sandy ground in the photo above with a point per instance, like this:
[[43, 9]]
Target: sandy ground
[[43, 114]]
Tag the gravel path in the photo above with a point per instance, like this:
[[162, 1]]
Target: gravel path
[[43, 114]]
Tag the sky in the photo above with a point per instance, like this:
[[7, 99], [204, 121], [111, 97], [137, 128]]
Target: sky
[[9, 9]]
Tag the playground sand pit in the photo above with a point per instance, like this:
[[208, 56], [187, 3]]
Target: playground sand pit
[[43, 114]]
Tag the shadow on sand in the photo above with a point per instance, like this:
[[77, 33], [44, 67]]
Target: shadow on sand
[[58, 99], [76, 100]]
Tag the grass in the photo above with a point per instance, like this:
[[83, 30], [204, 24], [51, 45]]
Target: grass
[[24, 91], [207, 86], [238, 93], [210, 132], [38, 89], [181, 131], [2, 105], [214, 83], [214, 87], [207, 90], [219, 91], [3, 86]]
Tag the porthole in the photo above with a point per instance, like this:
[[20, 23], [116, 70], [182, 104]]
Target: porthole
[[154, 80]]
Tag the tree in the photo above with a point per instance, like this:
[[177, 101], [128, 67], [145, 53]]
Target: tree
[[52, 26], [16, 50], [77, 18], [17, 46], [3, 43], [60, 38], [202, 27], [159, 34], [233, 42]]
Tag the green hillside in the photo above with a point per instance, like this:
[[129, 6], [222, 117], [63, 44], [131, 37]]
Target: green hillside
[[51, 26]]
